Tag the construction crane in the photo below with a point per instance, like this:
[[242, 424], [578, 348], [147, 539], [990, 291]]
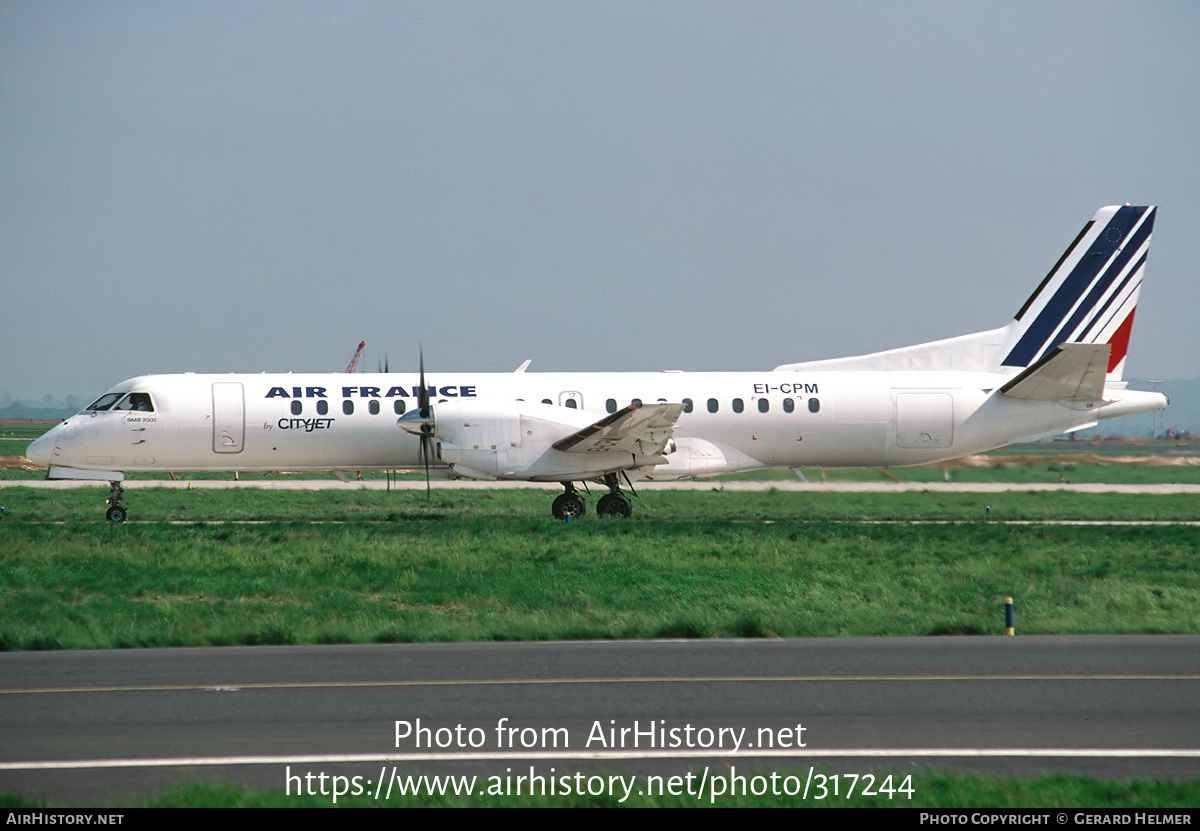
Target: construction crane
[[353, 365]]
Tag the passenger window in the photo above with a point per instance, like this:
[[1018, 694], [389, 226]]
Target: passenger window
[[713, 406], [789, 405], [398, 406], [298, 406], [611, 405], [570, 404], [763, 405], [348, 407], [738, 405], [687, 405], [547, 401], [637, 402], [373, 407], [322, 407], [814, 405]]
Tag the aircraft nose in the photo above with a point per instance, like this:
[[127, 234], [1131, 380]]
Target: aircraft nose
[[41, 448]]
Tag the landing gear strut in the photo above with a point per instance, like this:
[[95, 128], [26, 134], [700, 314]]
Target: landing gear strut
[[569, 505], [116, 511]]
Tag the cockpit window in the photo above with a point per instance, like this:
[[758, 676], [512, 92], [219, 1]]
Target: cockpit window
[[136, 401], [104, 402]]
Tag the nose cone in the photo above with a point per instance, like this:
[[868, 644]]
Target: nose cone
[[417, 424], [39, 452]]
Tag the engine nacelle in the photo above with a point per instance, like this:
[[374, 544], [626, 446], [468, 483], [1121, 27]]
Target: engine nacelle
[[488, 440], [502, 440]]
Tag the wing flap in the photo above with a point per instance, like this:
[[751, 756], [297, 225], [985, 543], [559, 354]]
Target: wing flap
[[641, 429], [1071, 372]]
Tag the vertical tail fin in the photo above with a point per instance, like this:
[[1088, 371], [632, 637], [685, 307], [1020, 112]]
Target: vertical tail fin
[[1090, 295]]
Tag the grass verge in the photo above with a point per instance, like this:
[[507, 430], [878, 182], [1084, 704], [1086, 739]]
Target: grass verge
[[354, 567], [932, 790]]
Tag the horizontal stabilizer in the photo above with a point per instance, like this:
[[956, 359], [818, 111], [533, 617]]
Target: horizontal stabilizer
[[1072, 372], [641, 429]]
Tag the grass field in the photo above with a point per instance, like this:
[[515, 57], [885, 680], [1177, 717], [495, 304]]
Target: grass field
[[334, 567]]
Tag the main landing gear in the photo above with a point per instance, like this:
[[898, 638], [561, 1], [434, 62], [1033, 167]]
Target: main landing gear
[[614, 504], [116, 511], [569, 505]]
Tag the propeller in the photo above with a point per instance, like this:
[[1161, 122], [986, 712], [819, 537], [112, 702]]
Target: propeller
[[421, 422]]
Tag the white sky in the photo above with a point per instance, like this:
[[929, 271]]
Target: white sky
[[247, 186]]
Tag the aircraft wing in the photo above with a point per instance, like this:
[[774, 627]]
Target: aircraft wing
[[1072, 372], [641, 429]]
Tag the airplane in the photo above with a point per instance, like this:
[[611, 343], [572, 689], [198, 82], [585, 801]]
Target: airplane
[[1055, 368]]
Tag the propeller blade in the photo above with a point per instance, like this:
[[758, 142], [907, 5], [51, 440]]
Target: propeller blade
[[422, 423], [423, 393]]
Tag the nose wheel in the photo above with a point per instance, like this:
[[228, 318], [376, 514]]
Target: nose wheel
[[116, 511]]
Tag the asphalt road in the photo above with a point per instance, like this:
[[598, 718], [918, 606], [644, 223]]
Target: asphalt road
[[83, 727]]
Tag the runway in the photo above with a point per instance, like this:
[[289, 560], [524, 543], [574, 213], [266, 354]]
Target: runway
[[81, 727]]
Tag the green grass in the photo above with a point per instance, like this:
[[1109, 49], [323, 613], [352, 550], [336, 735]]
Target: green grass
[[492, 565], [346, 502], [931, 790]]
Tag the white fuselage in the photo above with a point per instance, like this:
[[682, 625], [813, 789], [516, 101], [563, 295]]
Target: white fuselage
[[732, 421]]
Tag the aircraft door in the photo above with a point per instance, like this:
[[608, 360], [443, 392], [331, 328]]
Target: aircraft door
[[571, 399], [229, 417]]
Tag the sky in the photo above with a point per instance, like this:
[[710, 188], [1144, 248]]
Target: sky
[[258, 186]]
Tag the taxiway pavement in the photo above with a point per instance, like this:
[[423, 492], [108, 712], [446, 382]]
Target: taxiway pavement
[[83, 727]]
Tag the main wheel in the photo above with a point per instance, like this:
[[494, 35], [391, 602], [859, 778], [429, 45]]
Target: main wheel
[[614, 505], [568, 505], [115, 514]]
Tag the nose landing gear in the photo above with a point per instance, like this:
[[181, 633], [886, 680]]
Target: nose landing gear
[[116, 511]]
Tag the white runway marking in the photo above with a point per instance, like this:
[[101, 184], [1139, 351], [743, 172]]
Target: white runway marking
[[624, 755]]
